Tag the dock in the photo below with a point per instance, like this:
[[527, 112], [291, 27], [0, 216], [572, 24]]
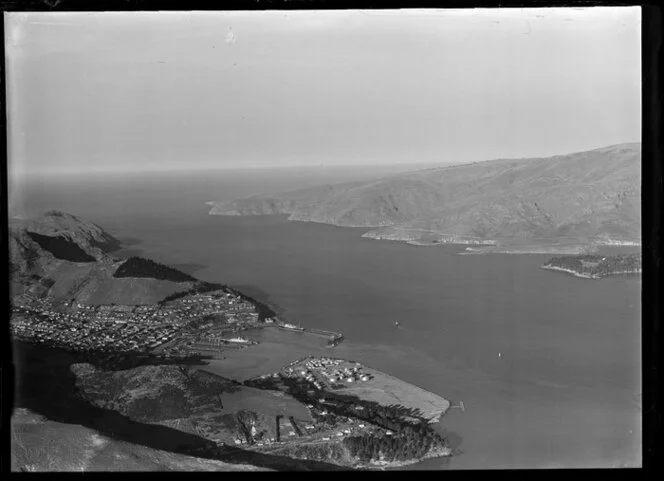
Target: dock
[[334, 338]]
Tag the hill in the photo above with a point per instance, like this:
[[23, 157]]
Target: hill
[[63, 256], [140, 267], [585, 197], [61, 228], [39, 444], [596, 266]]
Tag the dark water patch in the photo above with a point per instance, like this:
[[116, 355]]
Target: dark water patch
[[46, 385]]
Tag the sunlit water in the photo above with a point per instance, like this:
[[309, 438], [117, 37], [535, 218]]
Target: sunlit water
[[546, 364]]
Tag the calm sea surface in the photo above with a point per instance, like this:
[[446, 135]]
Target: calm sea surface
[[547, 365]]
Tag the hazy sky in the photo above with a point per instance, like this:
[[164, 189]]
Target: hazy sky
[[199, 90]]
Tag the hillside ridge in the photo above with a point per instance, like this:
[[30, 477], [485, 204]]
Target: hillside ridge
[[584, 198]]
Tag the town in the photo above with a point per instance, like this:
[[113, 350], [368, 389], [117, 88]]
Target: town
[[325, 373], [171, 328]]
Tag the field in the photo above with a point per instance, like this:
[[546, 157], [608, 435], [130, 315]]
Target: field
[[268, 403], [387, 390], [372, 385], [93, 284]]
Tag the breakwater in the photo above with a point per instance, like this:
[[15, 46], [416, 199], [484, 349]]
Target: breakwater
[[333, 337]]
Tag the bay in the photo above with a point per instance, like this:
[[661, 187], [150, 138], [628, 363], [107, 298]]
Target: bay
[[547, 365]]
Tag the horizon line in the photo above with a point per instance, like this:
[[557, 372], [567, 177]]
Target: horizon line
[[17, 173]]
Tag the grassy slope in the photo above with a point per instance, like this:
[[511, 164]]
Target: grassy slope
[[388, 390], [190, 401], [38, 444], [578, 195], [95, 284]]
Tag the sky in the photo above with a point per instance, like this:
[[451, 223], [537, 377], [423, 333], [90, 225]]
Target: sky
[[112, 91]]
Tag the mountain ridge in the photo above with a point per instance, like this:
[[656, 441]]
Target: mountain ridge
[[590, 196], [63, 256]]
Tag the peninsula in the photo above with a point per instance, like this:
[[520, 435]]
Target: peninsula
[[581, 199], [596, 266]]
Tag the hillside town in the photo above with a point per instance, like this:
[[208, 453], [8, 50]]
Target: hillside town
[[171, 328]]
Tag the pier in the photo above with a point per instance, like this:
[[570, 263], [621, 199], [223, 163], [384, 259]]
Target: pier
[[334, 338]]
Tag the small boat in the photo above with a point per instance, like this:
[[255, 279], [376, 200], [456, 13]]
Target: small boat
[[397, 323]]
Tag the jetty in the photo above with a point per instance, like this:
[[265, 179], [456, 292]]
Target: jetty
[[334, 338]]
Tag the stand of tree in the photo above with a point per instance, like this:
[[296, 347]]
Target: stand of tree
[[141, 267], [200, 288], [264, 311], [597, 265], [411, 442], [61, 248]]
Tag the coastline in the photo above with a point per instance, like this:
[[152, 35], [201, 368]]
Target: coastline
[[435, 418], [588, 276], [570, 271], [446, 452], [413, 237]]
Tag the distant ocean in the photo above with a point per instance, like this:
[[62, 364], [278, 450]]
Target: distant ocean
[[546, 364]]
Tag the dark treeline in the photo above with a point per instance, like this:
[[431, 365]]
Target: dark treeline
[[411, 442], [597, 265], [200, 288], [121, 360], [264, 311], [141, 267], [61, 248]]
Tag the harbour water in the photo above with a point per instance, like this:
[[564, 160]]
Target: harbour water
[[546, 364]]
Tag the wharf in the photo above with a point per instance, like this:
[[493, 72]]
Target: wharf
[[334, 338]]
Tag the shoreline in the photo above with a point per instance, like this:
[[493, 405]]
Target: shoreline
[[380, 464], [570, 271], [588, 276], [436, 417], [483, 246]]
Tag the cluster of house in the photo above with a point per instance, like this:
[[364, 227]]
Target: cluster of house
[[348, 375], [86, 328], [319, 371], [119, 327], [232, 307]]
